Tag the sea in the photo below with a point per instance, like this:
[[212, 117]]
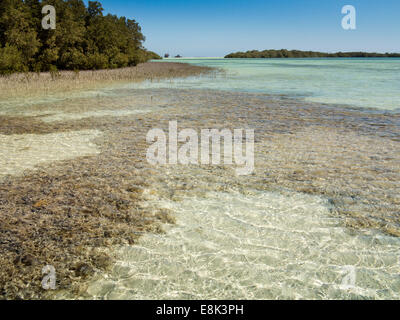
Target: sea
[[358, 82], [266, 244]]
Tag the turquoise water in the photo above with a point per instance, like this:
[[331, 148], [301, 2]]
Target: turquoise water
[[366, 83]]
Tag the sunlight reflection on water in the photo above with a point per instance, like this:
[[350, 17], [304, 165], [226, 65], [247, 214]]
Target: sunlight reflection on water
[[259, 246]]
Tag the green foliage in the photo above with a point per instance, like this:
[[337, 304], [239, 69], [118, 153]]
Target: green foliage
[[17, 30], [84, 38], [150, 55], [308, 54], [11, 60], [97, 61]]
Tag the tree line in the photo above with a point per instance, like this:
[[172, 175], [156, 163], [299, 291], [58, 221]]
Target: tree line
[[84, 38], [308, 54]]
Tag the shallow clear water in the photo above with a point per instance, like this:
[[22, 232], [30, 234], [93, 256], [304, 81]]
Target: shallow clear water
[[369, 83], [261, 245], [20, 152], [266, 245], [256, 245]]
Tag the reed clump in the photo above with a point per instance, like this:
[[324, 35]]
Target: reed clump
[[44, 83]]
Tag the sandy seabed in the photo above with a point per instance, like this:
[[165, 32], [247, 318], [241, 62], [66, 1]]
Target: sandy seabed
[[77, 193]]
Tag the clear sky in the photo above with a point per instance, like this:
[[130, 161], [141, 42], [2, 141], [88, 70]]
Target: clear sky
[[211, 28]]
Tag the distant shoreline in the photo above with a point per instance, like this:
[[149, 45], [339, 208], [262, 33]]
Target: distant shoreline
[[271, 54]]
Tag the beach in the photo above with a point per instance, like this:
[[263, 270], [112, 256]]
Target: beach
[[78, 193]]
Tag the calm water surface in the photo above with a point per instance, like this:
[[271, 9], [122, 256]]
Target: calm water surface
[[265, 245], [369, 83]]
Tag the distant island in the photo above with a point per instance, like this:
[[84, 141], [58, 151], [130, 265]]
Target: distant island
[[308, 54]]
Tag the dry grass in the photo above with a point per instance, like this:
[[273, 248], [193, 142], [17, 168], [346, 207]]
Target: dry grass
[[41, 84]]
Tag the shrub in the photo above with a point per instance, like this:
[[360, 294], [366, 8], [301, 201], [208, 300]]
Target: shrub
[[11, 60], [97, 61]]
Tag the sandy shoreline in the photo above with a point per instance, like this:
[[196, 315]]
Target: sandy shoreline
[[74, 210]]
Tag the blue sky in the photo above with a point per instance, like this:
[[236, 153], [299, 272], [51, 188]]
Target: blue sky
[[215, 28]]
